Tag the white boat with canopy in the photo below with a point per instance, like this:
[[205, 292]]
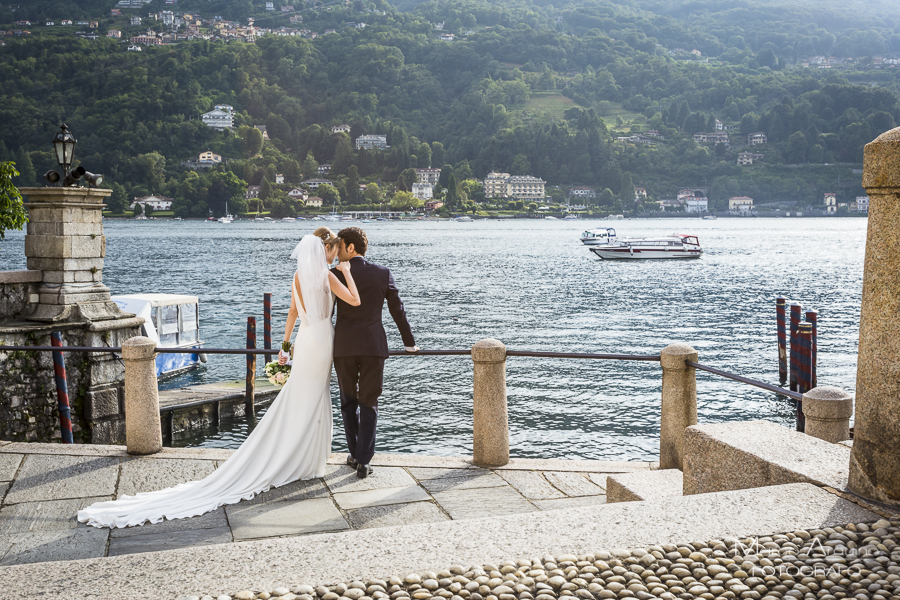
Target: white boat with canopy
[[595, 237], [171, 321], [676, 245]]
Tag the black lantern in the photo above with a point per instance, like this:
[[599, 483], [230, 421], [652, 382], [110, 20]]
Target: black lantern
[[64, 145]]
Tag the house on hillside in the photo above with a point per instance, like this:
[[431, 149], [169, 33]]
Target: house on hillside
[[298, 194], [371, 142], [157, 202], [221, 117], [747, 158], [314, 202], [740, 204], [422, 191], [262, 130], [830, 202], [582, 192], [324, 168], [279, 178], [758, 138], [209, 157], [429, 176], [344, 128]]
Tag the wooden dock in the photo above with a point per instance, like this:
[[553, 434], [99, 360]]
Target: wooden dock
[[188, 409]]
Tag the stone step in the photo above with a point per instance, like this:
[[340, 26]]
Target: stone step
[[380, 553], [645, 485], [754, 454]]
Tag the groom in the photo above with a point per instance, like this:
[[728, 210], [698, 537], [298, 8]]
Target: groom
[[360, 345]]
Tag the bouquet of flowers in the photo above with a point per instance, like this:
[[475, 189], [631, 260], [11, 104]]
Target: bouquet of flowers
[[276, 373]]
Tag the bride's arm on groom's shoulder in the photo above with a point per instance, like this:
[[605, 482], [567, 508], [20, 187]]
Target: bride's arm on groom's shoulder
[[289, 326], [348, 293]]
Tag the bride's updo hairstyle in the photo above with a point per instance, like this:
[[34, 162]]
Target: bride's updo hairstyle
[[328, 237]]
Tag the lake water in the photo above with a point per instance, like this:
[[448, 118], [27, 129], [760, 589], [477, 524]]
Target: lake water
[[532, 285]]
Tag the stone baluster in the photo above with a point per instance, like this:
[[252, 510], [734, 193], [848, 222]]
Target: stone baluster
[[875, 460], [679, 403], [143, 430], [827, 410], [491, 423]]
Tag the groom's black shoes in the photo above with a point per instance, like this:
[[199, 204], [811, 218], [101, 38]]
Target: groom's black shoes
[[352, 461], [363, 471]]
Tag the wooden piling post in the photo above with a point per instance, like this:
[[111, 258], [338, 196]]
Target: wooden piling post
[[795, 345], [812, 317], [780, 303], [250, 392]]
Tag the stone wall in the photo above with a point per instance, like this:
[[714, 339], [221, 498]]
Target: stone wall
[[18, 293], [28, 401]]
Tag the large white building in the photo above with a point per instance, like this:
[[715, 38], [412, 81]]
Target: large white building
[[741, 204], [696, 204], [371, 142], [429, 176], [157, 202], [422, 191], [220, 117], [520, 187]]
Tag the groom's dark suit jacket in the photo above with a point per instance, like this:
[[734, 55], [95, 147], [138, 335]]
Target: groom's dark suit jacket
[[359, 331]]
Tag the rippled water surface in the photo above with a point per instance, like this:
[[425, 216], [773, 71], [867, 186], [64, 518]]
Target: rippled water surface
[[532, 285]]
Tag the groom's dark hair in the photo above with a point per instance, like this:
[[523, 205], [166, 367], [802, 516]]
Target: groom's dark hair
[[355, 236]]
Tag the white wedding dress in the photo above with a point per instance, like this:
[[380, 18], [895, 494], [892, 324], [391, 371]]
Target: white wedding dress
[[293, 439]]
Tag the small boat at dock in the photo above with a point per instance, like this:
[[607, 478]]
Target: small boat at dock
[[172, 321], [673, 246]]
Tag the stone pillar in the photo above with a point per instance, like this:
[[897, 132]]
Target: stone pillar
[[143, 431], [875, 460], [64, 240], [827, 410], [491, 424], [679, 403]]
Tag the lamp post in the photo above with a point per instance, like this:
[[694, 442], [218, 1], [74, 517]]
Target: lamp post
[[64, 145]]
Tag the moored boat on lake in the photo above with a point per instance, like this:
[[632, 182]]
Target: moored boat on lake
[[171, 321], [674, 246], [595, 237]]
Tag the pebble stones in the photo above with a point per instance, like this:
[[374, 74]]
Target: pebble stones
[[854, 561]]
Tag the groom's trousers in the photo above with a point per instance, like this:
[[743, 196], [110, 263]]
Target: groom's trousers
[[360, 379]]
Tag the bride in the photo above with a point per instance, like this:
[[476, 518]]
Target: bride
[[293, 439]]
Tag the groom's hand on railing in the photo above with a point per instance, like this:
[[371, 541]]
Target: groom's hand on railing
[[411, 349]]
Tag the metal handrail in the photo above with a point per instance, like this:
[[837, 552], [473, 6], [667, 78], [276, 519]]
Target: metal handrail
[[766, 386], [527, 353]]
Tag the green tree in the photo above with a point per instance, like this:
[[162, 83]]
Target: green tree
[[405, 201], [452, 200], [372, 193], [797, 148], [520, 165], [137, 209], [406, 180], [253, 140], [12, 211], [437, 153], [353, 185], [626, 191], [424, 153], [283, 207], [26, 169], [148, 210], [266, 192], [117, 202], [309, 167], [329, 194], [444, 179], [343, 157]]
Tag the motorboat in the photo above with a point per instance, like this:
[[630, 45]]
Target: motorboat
[[550, 218], [709, 217], [171, 321], [676, 245], [463, 219], [289, 220], [570, 218], [595, 237]]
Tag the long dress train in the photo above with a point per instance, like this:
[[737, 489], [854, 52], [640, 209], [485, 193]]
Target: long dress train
[[292, 441]]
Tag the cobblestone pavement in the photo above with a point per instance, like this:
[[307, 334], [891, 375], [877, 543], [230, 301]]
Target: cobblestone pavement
[[44, 485], [853, 561]]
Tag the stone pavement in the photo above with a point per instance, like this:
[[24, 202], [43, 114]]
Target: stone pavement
[[44, 485]]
